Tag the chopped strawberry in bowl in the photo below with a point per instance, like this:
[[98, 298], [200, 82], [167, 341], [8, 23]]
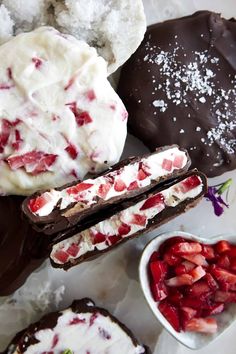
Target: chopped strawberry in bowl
[[190, 285]]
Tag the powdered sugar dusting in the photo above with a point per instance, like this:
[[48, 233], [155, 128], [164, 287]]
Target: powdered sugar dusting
[[193, 84]]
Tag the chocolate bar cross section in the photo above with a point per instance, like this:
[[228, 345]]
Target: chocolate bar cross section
[[144, 214], [61, 208]]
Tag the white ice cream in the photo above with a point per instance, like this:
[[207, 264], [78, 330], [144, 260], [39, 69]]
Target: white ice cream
[[59, 116]]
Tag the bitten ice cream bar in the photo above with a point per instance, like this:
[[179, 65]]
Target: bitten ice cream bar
[[82, 328], [144, 214], [57, 209]]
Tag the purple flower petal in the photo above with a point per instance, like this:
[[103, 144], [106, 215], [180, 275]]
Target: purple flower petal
[[221, 201]]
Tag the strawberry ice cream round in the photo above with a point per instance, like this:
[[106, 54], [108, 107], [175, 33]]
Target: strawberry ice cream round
[[59, 117]]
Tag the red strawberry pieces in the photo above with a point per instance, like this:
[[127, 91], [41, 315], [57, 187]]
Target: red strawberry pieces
[[202, 325], [34, 162], [153, 201], [171, 313], [103, 190], [167, 165], [192, 281], [39, 202], [190, 183], [119, 185], [81, 187], [178, 161]]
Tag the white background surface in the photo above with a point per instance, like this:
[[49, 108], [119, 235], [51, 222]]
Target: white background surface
[[112, 280]]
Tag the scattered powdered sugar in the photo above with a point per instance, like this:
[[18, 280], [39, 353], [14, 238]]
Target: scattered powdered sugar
[[186, 83]]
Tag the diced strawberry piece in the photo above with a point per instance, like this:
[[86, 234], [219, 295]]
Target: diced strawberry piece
[[180, 269], [190, 183], [138, 219], [77, 320], [208, 251], [133, 186], [18, 140], [79, 188], [175, 296], [159, 291], [114, 239], [34, 162], [187, 314], [171, 259], [103, 190], [167, 165], [91, 95], [178, 161], [202, 325], [98, 238], [233, 264], [37, 203], [143, 172], [199, 288], [124, 229], [183, 248], [165, 246], [4, 134], [223, 276], [232, 252], [195, 303], [154, 257], [37, 62], [222, 246], [119, 186], [153, 201], [72, 151], [54, 341], [171, 313], [197, 273], [180, 280], [211, 282], [197, 259], [73, 250], [83, 118], [61, 256], [188, 265], [158, 271], [9, 73], [213, 310], [223, 261], [225, 297], [142, 175]]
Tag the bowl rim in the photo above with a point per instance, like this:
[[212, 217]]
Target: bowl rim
[[153, 245]]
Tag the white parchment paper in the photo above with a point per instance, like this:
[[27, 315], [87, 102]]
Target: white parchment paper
[[112, 280]]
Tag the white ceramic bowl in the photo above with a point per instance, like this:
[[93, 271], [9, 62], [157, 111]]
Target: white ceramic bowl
[[189, 339]]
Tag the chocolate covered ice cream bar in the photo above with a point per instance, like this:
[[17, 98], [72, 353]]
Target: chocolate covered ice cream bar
[[60, 208], [137, 216], [81, 328]]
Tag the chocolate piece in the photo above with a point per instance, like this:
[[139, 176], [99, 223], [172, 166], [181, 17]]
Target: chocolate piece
[[22, 249], [61, 208], [180, 87], [137, 216], [83, 327]]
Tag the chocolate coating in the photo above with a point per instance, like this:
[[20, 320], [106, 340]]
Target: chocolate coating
[[21, 248], [180, 88]]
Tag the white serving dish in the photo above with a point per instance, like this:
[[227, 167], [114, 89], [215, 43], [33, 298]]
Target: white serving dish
[[189, 339]]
